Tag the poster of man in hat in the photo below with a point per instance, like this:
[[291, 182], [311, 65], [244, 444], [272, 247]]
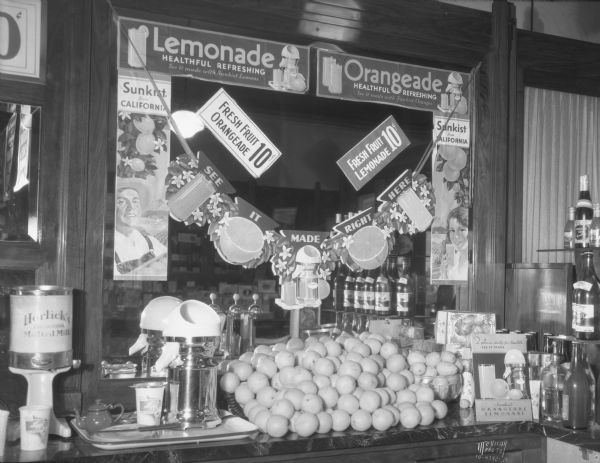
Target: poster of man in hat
[[140, 251]]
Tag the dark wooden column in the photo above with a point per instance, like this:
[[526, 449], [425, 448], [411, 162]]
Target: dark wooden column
[[490, 187]]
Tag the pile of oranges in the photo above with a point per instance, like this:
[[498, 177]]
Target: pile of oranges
[[324, 384]]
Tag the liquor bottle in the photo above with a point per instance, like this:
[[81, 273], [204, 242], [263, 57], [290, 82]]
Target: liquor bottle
[[552, 380], [382, 292], [583, 214], [579, 391], [586, 301], [369, 293], [569, 232], [339, 280], [392, 274], [404, 291], [595, 228]]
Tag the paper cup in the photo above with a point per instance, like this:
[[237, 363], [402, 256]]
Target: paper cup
[[148, 403], [35, 421], [190, 197], [3, 424]]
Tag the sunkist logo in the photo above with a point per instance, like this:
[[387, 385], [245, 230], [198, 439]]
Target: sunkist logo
[[180, 46]]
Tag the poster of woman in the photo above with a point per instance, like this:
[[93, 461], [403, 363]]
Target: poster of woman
[[449, 263]]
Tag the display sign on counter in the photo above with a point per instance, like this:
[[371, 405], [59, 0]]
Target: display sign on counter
[[370, 155], [217, 57], [239, 134], [356, 222], [358, 78]]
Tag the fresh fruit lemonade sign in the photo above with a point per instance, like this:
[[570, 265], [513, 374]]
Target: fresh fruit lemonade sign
[[370, 155], [358, 78], [226, 58], [239, 134]]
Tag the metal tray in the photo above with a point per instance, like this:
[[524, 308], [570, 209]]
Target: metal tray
[[127, 436]]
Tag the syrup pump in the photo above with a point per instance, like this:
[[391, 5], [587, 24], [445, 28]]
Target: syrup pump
[[223, 316], [150, 340], [233, 331], [248, 328], [192, 335]]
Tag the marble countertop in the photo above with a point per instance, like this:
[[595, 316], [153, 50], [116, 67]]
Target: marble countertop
[[459, 424]]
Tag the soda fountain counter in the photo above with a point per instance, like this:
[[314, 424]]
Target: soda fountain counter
[[458, 437]]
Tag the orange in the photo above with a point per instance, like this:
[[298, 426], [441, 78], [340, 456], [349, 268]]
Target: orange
[[350, 368], [284, 408], [410, 417], [383, 419], [325, 422], [373, 344], [323, 366], [322, 381], [427, 414], [277, 425], [266, 396], [425, 394], [361, 420], [309, 358], [349, 403], [295, 396], [229, 382], [340, 420], [367, 380], [308, 387], [312, 403], [406, 395], [396, 382], [243, 370], [370, 401], [330, 396], [243, 394], [440, 408], [418, 368], [369, 365], [285, 358], [345, 384], [394, 412], [318, 347], [388, 348], [295, 344], [267, 366], [257, 381], [333, 348], [261, 418], [396, 363], [306, 424]]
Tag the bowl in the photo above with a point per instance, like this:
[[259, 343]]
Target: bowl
[[446, 388]]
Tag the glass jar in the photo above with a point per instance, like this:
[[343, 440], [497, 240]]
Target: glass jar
[[551, 390]]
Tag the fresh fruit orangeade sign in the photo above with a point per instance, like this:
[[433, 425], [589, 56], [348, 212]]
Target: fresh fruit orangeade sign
[[239, 134], [375, 151]]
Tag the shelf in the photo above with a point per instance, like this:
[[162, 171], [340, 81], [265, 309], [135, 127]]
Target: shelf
[[569, 250]]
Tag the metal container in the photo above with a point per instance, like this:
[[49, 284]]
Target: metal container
[[41, 327], [562, 345]]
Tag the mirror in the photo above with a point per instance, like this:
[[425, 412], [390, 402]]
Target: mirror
[[19, 168], [303, 190]]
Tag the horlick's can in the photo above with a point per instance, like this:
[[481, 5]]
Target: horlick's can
[[41, 326]]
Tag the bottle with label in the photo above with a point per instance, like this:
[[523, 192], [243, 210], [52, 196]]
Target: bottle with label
[[359, 292], [552, 379], [583, 214], [404, 291], [382, 293], [569, 232], [586, 301], [595, 228], [369, 293], [348, 303], [392, 273], [579, 391]]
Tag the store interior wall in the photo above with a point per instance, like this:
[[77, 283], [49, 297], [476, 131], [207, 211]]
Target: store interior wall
[[570, 19]]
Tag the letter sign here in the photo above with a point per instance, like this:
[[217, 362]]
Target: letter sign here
[[370, 155], [240, 135]]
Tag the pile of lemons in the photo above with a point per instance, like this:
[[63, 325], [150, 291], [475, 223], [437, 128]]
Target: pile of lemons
[[324, 384]]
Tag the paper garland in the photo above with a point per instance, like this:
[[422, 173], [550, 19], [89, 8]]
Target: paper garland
[[278, 249]]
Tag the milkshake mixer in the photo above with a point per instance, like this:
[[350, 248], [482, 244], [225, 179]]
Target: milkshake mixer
[[192, 334], [150, 340], [41, 326]]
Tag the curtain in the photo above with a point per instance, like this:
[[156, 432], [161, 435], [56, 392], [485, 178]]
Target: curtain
[[561, 142]]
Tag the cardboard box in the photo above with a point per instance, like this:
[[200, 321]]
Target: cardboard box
[[454, 329], [397, 330]]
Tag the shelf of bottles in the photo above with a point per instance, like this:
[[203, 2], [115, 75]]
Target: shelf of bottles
[[382, 293]]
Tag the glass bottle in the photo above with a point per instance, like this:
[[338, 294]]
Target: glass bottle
[[348, 303], [369, 293], [583, 214], [595, 228], [404, 291], [579, 391], [392, 274], [551, 392], [586, 301], [569, 231], [233, 329], [382, 293], [359, 292]]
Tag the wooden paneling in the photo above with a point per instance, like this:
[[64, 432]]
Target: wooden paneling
[[556, 63], [490, 171]]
